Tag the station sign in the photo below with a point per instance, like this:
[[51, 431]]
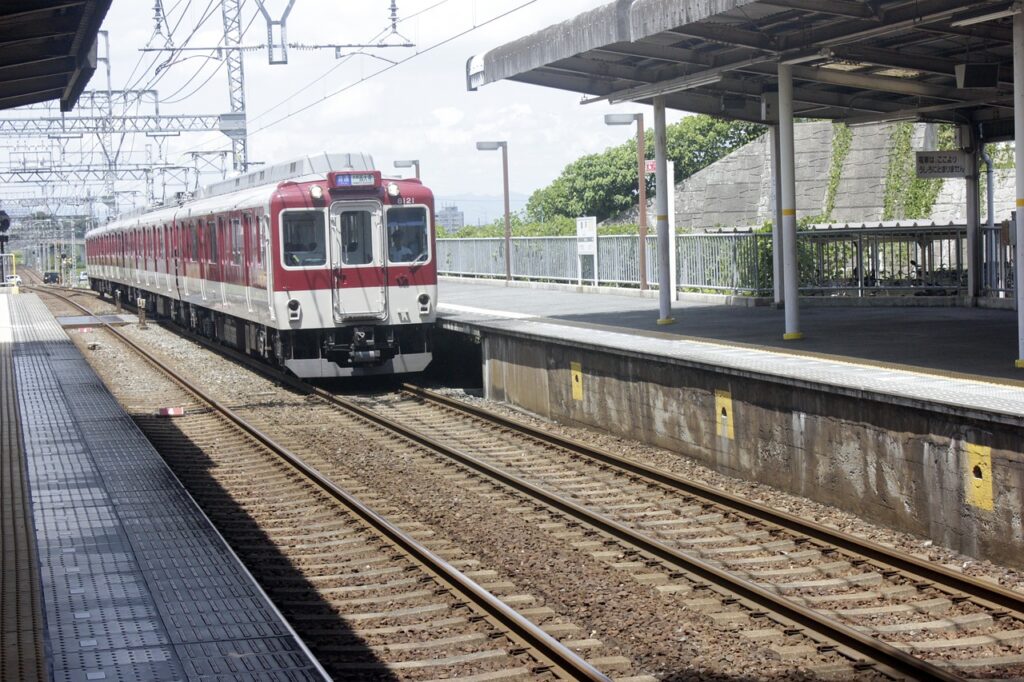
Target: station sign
[[586, 236], [945, 164]]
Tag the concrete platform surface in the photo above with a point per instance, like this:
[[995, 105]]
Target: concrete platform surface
[[136, 582], [958, 357]]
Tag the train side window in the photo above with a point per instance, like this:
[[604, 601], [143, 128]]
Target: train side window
[[356, 237], [193, 234], [211, 241], [236, 241], [260, 246], [408, 234], [304, 235]]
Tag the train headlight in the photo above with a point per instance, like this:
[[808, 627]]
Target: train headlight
[[294, 309], [393, 190], [317, 192], [424, 301]]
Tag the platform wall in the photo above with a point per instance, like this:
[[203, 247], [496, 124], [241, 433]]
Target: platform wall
[[957, 480]]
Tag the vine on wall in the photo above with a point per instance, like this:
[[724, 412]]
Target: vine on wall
[[842, 138], [906, 195]]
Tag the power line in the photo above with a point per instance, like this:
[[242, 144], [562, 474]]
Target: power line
[[385, 69], [395, 65], [208, 78]]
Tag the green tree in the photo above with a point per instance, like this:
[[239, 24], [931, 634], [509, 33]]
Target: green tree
[[604, 184]]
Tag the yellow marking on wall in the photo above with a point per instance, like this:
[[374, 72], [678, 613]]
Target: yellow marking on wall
[[978, 476], [723, 415], [576, 371]]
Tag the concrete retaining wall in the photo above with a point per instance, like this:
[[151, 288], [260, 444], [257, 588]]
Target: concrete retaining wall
[[955, 479]]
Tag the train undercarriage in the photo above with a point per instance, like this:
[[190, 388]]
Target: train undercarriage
[[351, 350]]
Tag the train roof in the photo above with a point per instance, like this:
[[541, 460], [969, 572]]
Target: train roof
[[247, 187], [318, 165]]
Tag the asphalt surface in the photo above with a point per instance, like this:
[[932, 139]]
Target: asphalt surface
[[969, 341]]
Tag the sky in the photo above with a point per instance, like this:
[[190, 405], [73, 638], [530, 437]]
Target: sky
[[419, 109]]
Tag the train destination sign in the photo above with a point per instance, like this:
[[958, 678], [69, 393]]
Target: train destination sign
[[944, 164]]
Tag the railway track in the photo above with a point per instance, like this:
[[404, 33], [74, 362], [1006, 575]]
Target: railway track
[[958, 626], [370, 599], [736, 560]]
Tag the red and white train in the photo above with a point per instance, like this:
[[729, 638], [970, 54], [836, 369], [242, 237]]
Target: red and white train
[[319, 266]]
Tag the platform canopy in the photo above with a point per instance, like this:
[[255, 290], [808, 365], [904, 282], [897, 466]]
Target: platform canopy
[[853, 60], [48, 50]]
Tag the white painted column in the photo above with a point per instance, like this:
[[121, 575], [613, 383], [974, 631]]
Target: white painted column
[[777, 274], [973, 227], [672, 264], [787, 178], [1018, 136], [661, 209]]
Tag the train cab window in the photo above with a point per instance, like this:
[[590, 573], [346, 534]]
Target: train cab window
[[304, 236], [408, 234], [356, 229]]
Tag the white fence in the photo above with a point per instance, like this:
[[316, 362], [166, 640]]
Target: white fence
[[833, 261], [548, 258]]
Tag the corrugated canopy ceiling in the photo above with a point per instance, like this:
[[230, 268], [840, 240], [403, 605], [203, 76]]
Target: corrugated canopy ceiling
[[47, 49], [853, 60]]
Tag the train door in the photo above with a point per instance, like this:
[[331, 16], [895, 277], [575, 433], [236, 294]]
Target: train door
[[204, 257], [358, 277], [248, 258], [264, 258]]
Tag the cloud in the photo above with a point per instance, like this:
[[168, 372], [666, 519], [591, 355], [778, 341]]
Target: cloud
[[448, 116]]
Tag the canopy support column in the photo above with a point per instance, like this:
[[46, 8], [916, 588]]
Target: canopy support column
[[777, 276], [787, 179], [665, 278], [1018, 136], [973, 227]]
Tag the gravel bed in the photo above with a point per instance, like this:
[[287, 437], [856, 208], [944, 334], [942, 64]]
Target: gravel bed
[[614, 608], [656, 630], [826, 515]]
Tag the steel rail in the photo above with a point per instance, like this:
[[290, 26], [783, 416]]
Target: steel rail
[[875, 649], [866, 645], [566, 661], [939, 575]]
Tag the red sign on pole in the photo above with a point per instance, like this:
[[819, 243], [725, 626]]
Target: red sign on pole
[[650, 165]]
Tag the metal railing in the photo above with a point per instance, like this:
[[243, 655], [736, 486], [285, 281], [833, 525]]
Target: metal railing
[[551, 259], [883, 259]]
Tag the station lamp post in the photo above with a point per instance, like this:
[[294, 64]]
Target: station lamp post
[[503, 146], [409, 163], [641, 153]]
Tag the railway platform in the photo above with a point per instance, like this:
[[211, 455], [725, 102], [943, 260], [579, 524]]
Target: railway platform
[[909, 417], [111, 571]]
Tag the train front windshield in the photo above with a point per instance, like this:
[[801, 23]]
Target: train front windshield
[[408, 234]]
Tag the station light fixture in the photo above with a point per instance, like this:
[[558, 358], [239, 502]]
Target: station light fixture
[[490, 146], [641, 173], [409, 163]]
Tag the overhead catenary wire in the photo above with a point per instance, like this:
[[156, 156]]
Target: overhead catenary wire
[[208, 78], [389, 67]]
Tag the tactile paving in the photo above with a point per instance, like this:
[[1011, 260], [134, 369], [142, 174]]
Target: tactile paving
[[136, 583], [21, 618]]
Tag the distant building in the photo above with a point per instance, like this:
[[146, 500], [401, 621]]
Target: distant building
[[450, 218]]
